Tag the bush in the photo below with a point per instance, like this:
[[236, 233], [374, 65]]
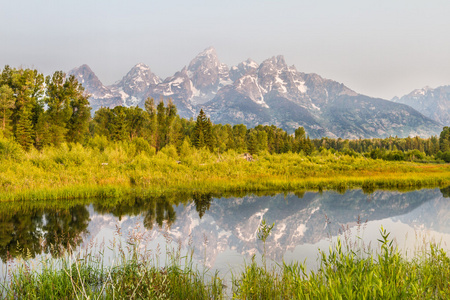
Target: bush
[[170, 151], [10, 150], [446, 156], [99, 142], [414, 155], [143, 146], [396, 155]]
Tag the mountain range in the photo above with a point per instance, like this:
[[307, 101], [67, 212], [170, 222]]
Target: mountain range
[[433, 103], [269, 93]]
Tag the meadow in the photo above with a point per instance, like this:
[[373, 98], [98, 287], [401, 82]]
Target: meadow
[[105, 169]]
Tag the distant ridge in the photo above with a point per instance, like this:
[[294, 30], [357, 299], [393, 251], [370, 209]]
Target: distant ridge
[[433, 103]]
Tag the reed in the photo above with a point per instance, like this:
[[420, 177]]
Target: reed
[[136, 272], [133, 272]]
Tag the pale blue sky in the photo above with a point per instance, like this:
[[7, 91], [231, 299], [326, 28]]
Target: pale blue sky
[[379, 48]]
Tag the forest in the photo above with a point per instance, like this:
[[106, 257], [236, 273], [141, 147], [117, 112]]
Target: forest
[[38, 111]]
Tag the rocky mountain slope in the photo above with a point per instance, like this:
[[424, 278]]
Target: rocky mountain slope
[[433, 103], [268, 93]]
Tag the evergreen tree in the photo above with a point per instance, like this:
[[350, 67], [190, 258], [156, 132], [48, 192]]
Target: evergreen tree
[[152, 124], [252, 145], [28, 87], [78, 123], [42, 137], [202, 134], [119, 127], [6, 105], [262, 140], [102, 122], [172, 129], [239, 136], [136, 120], [161, 122], [24, 129], [444, 139], [58, 107]]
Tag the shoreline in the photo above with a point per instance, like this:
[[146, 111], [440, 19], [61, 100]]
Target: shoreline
[[38, 177]]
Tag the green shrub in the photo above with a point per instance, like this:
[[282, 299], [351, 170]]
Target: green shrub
[[143, 146], [170, 151], [445, 156], [10, 149], [99, 142]]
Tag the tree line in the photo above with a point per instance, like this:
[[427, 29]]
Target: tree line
[[38, 111]]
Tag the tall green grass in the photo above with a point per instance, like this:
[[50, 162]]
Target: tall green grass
[[117, 170], [136, 273], [133, 272], [345, 273]]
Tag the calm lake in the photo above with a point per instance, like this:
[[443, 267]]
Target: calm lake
[[222, 231]]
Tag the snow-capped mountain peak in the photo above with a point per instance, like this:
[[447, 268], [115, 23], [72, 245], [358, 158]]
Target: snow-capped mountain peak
[[135, 84], [243, 68]]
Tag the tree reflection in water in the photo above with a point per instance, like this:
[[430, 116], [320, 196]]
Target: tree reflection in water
[[35, 230]]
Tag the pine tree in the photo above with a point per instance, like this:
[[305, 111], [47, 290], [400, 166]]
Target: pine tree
[[202, 133], [239, 135], [78, 123], [161, 122], [6, 104], [152, 124], [58, 103], [171, 132], [252, 144], [444, 139], [136, 120], [28, 89], [42, 137], [102, 118], [24, 129], [119, 126]]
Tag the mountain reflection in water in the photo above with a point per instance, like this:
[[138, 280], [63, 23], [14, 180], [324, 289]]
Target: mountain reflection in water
[[220, 226]]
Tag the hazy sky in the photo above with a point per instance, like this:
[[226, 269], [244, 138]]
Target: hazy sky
[[381, 48]]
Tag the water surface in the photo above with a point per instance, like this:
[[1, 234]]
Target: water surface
[[222, 231]]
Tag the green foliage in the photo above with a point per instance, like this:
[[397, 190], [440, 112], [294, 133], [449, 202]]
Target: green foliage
[[444, 139], [170, 151], [74, 170], [6, 106], [186, 148], [395, 155], [143, 146], [202, 134], [66, 118], [135, 273], [24, 129], [59, 111], [10, 150], [264, 230], [99, 142], [342, 273], [78, 123], [346, 273], [66, 114]]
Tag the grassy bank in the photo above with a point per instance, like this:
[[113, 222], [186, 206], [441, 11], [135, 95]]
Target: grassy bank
[[135, 273], [73, 171]]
